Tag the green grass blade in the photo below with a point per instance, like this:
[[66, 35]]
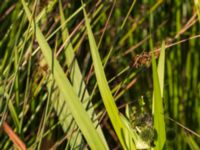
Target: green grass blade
[[107, 97], [161, 68], [81, 117], [197, 7], [76, 138], [13, 114], [158, 113], [129, 11], [191, 142]]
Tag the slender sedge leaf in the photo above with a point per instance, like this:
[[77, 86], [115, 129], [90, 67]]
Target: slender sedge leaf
[[161, 68], [158, 77], [107, 97]]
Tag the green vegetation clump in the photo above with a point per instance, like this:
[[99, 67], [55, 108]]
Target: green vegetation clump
[[107, 74]]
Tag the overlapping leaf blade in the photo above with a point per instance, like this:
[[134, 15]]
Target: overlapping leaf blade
[[81, 117], [107, 97], [158, 113]]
